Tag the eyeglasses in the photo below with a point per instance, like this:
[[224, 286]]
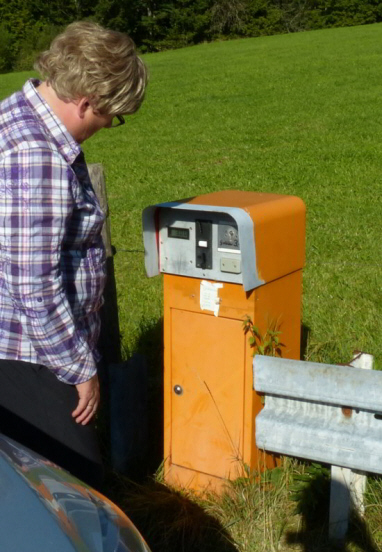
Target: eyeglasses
[[117, 121]]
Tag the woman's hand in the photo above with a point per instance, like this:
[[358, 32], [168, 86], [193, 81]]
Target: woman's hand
[[89, 397]]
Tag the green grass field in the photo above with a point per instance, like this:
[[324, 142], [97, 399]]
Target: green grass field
[[294, 114]]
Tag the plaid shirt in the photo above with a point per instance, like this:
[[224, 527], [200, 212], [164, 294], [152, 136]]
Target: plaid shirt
[[52, 261]]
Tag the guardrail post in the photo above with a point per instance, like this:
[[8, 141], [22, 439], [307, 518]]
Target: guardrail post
[[347, 486]]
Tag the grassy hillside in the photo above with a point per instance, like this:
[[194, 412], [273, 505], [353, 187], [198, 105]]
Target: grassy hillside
[[296, 114]]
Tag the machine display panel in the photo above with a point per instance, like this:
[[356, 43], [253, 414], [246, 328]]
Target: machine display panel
[[200, 244], [179, 233]]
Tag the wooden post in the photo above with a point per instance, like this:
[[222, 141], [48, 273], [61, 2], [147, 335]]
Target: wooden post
[[123, 384], [110, 340]]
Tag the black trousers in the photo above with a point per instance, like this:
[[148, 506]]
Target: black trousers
[[35, 410]]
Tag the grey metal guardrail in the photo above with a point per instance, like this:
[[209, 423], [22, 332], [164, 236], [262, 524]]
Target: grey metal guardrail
[[325, 413]]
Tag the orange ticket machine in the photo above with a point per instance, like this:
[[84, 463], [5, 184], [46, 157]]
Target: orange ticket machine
[[224, 256]]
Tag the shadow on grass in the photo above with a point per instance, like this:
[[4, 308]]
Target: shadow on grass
[[305, 332], [313, 505], [130, 422], [314, 539], [168, 519]]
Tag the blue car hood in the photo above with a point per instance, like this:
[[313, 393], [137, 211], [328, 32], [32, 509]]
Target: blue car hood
[[43, 508]]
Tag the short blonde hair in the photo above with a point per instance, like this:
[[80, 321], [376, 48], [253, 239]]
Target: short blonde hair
[[89, 61]]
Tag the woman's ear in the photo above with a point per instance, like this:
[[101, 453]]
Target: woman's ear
[[82, 106]]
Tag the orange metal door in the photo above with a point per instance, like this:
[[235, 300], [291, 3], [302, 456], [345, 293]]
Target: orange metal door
[[207, 418]]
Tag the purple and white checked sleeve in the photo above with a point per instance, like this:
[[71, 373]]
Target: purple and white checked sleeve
[[37, 205]]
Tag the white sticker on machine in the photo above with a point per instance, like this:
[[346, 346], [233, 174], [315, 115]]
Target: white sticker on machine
[[209, 296]]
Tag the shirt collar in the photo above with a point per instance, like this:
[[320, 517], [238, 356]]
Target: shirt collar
[[67, 145]]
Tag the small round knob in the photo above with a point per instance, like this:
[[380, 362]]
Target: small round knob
[[178, 389]]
